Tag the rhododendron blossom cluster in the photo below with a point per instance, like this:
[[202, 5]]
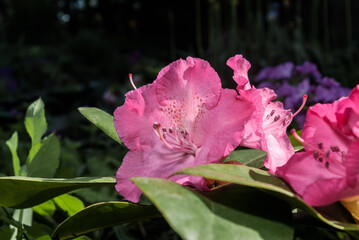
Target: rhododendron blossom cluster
[[185, 118]]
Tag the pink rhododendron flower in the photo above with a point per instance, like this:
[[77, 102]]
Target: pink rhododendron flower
[[266, 130], [184, 118], [329, 169]]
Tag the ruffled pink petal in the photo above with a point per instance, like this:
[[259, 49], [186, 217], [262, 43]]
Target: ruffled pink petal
[[276, 143], [352, 164], [327, 191], [134, 120], [303, 170], [220, 131], [348, 114], [157, 162], [266, 130], [260, 99], [190, 82], [240, 67], [321, 127]]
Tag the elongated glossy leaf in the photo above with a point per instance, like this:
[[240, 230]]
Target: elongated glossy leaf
[[194, 216], [47, 159], [249, 157], [35, 121], [47, 208], [12, 144], [102, 215], [102, 120], [6, 232], [23, 192], [69, 204], [260, 179]]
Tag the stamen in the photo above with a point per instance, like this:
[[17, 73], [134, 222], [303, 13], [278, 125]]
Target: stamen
[[305, 97], [334, 148], [276, 118], [315, 155], [318, 150], [131, 80], [327, 153], [327, 164], [176, 139], [287, 118], [161, 135], [272, 112]]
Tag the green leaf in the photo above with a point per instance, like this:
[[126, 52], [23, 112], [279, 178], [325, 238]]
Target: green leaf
[[23, 192], [253, 177], [196, 216], [249, 157], [102, 215], [47, 208], [69, 204], [38, 232], [35, 121], [6, 232], [102, 120], [47, 159], [12, 144]]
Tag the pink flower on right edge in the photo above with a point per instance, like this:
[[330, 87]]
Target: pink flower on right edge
[[329, 169]]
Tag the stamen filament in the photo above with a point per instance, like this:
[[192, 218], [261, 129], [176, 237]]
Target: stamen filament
[[131, 80], [305, 97]]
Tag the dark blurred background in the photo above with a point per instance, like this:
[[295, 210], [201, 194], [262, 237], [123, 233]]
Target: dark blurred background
[[75, 53]]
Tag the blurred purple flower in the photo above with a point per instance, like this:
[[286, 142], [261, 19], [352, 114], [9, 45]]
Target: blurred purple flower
[[328, 82], [285, 90], [281, 71], [263, 74], [291, 82], [330, 94], [308, 68]]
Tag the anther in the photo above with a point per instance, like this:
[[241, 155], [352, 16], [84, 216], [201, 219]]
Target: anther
[[164, 129], [272, 112], [327, 153], [327, 165], [155, 125], [334, 148], [320, 158], [320, 145], [276, 118], [315, 155], [170, 130]]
